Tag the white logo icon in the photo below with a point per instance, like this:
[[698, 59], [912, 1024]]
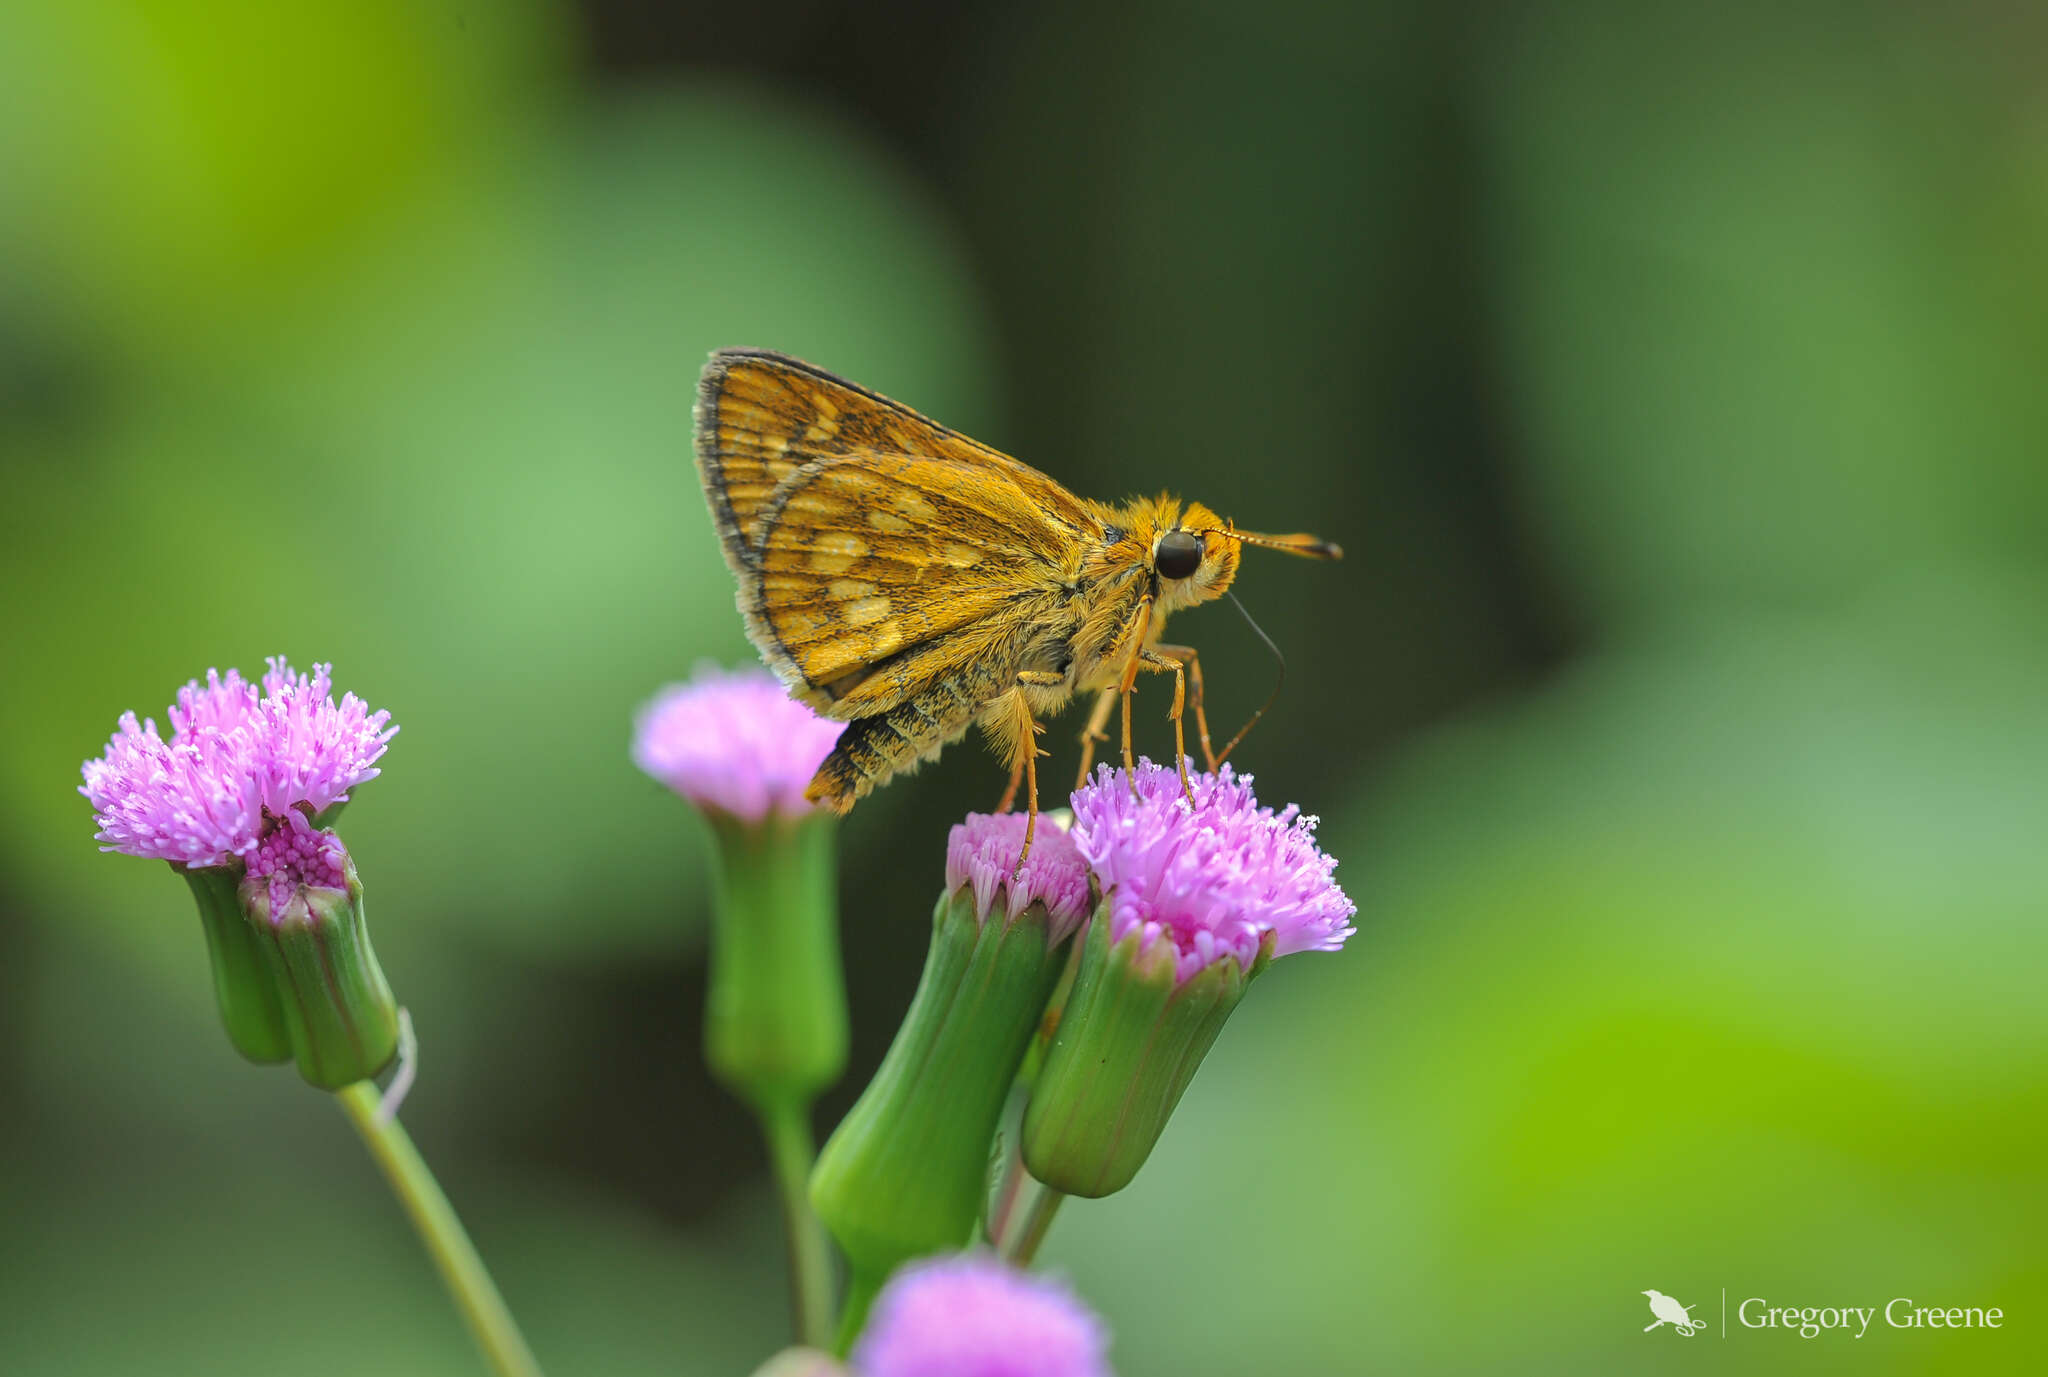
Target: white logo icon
[[1669, 1311]]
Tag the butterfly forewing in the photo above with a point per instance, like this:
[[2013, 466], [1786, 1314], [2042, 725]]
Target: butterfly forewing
[[762, 416], [870, 555], [872, 545]]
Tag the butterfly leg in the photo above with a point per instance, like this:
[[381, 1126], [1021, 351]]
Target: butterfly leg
[[1186, 655], [1025, 747], [1130, 765], [1161, 663], [1031, 814], [1009, 798], [1096, 730], [1142, 625]]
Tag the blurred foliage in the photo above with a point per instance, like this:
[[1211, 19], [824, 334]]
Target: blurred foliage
[[1671, 375]]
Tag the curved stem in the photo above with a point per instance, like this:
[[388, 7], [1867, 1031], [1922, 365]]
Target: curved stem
[[476, 1296], [1036, 1224], [786, 1125]]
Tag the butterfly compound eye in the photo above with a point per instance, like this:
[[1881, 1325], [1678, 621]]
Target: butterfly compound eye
[[1179, 555]]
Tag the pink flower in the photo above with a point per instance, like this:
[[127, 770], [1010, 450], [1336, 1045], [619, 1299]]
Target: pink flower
[[972, 1316], [200, 798], [983, 851], [191, 799], [313, 750], [1215, 880], [734, 743]]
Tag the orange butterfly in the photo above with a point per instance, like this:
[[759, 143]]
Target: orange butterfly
[[909, 581]]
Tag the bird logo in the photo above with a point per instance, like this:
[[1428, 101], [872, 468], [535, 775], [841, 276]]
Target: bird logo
[[1669, 1311]]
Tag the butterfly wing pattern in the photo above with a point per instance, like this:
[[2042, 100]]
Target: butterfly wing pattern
[[894, 573]]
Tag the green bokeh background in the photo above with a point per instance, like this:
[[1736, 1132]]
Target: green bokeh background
[[1673, 376]]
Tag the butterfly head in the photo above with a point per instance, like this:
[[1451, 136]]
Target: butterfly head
[[1193, 553]]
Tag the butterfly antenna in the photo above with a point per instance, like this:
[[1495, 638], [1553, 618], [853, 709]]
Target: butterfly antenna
[[1279, 681], [1308, 546]]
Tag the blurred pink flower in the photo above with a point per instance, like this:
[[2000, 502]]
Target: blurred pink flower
[[983, 850], [733, 742], [973, 1316], [1213, 880]]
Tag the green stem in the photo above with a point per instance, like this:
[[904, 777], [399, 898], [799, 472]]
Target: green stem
[[786, 1125], [1002, 1209], [1036, 1224], [476, 1296], [861, 1290], [1005, 1207]]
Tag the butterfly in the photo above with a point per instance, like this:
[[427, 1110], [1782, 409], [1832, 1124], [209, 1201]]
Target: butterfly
[[911, 582]]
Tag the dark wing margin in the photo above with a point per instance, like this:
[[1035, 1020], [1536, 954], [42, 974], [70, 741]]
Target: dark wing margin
[[761, 416]]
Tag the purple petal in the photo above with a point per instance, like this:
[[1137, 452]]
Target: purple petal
[[983, 851]]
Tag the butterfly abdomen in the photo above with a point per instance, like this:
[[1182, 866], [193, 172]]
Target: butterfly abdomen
[[873, 750]]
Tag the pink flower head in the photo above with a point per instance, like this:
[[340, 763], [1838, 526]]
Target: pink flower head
[[314, 750], [983, 851], [973, 1316], [191, 799], [199, 798], [1215, 880], [733, 743]]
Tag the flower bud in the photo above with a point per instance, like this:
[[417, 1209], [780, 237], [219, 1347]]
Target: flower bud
[[906, 1172], [741, 750], [1196, 900], [225, 799], [250, 1009], [1127, 1045], [775, 1009], [304, 902]]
